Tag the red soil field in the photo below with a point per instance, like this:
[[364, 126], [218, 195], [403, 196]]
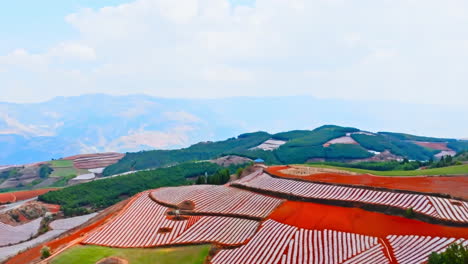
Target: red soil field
[[33, 254], [453, 185], [355, 220], [22, 195], [97, 160], [53, 208], [432, 145]]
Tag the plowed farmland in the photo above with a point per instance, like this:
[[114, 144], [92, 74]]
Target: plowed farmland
[[440, 209], [254, 220], [219, 199], [128, 231], [432, 145], [299, 232], [93, 161], [455, 186], [22, 195]]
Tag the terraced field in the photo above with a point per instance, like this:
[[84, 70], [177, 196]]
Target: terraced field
[[219, 199], [449, 210], [94, 161], [10, 235], [451, 185], [254, 220], [12, 197]]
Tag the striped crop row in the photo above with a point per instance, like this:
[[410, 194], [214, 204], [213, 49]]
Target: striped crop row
[[436, 207], [416, 249], [219, 199], [285, 244], [145, 224]]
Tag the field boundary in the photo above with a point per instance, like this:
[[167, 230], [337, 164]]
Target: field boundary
[[189, 212], [386, 209], [367, 187]]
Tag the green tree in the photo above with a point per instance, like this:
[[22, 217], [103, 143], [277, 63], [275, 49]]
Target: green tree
[[201, 180], [409, 212], [239, 172], [45, 252], [45, 171], [455, 254]]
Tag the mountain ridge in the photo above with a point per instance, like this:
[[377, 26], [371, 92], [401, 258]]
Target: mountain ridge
[[93, 123]]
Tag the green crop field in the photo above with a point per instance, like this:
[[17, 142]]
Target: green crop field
[[92, 254], [61, 163], [451, 170], [65, 168]]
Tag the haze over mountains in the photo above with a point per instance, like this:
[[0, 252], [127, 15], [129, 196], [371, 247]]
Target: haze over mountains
[[99, 123]]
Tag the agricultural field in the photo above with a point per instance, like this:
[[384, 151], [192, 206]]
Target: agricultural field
[[455, 186], [94, 161], [127, 231], [14, 234], [219, 199], [451, 170], [450, 210], [11, 197], [294, 222], [92, 254], [65, 168]]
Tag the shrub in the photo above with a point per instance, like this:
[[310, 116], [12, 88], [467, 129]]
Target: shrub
[[455, 254], [409, 212], [45, 252]]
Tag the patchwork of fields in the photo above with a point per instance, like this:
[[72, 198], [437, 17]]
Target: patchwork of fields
[[271, 219]]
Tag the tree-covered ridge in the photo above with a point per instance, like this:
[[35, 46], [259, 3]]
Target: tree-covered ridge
[[403, 136], [301, 146], [95, 195], [406, 149], [200, 151]]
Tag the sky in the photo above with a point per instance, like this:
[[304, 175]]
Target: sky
[[396, 50]]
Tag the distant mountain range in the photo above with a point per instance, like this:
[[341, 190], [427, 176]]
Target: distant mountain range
[[67, 126]]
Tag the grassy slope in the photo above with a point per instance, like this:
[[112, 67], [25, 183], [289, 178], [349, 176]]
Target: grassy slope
[[61, 163], [64, 168], [176, 255], [452, 170]]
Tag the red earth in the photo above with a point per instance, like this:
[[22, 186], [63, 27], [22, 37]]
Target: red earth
[[22, 195], [355, 220], [96, 160], [453, 185], [432, 145], [72, 238]]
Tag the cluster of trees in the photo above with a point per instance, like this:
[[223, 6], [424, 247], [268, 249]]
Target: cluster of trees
[[10, 173], [92, 196], [445, 161], [455, 254], [220, 177], [201, 151], [302, 145], [44, 171], [381, 165], [384, 141]]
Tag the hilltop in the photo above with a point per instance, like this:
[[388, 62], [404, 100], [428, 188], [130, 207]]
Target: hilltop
[[325, 143]]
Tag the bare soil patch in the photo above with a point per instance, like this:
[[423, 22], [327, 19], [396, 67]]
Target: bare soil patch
[[112, 260]]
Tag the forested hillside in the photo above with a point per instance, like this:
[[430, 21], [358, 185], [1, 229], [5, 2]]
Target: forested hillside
[[95, 195], [299, 146]]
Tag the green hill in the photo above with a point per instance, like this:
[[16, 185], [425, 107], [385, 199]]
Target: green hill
[[300, 146]]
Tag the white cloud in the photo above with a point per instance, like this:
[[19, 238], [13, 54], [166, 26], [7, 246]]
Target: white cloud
[[397, 50], [72, 51]]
